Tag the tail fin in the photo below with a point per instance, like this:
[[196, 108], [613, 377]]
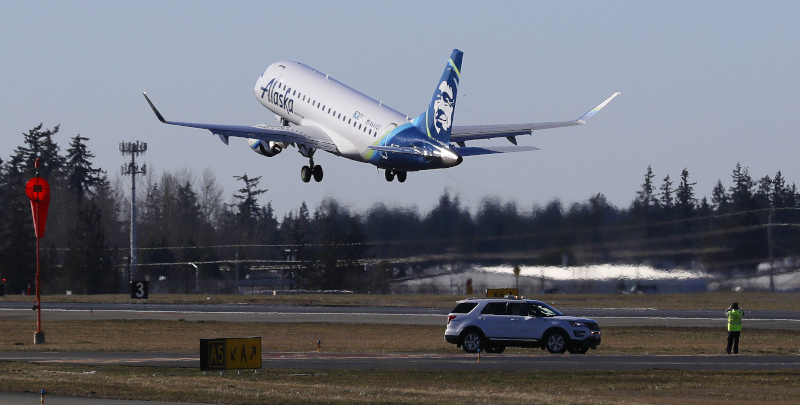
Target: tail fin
[[437, 120]]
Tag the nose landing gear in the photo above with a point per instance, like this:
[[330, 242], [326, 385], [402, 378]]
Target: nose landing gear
[[391, 173]]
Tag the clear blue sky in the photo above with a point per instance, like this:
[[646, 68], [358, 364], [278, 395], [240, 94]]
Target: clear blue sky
[[704, 85]]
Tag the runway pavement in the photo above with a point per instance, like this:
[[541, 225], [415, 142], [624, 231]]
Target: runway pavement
[[787, 320]]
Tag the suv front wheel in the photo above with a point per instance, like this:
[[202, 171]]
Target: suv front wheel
[[556, 342], [471, 341]]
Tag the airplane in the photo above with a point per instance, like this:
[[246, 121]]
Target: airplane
[[317, 112]]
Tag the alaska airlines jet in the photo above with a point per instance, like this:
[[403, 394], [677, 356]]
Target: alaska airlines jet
[[317, 112]]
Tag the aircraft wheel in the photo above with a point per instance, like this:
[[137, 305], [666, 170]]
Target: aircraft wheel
[[305, 174], [317, 173], [401, 177], [389, 175]]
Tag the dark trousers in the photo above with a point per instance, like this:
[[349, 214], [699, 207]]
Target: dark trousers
[[733, 340]]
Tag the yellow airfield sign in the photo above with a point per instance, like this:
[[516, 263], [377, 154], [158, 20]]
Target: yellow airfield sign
[[230, 353], [501, 292]]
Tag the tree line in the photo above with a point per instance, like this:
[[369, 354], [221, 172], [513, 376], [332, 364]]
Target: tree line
[[184, 218]]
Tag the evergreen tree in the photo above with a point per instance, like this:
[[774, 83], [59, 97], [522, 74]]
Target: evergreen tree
[[17, 241], [667, 202], [684, 197], [248, 208], [742, 190], [685, 206], [720, 200], [81, 176], [448, 226], [747, 243], [39, 144], [646, 196], [295, 232], [87, 267]]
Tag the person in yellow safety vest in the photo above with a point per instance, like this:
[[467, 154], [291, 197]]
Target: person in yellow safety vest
[[735, 316]]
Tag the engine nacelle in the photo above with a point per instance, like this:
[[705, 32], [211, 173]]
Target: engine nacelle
[[266, 148]]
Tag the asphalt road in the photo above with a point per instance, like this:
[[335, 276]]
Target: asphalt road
[[788, 320]]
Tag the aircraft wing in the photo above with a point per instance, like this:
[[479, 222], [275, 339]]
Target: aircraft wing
[[462, 134], [311, 136]]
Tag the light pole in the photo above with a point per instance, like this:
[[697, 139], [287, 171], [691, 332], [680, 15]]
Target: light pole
[[132, 169]]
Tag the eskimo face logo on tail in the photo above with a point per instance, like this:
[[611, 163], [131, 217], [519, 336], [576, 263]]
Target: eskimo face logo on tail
[[443, 108], [281, 100]]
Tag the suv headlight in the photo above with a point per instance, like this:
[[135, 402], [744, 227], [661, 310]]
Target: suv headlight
[[577, 324]]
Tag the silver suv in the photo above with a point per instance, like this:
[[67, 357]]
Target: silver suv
[[492, 324]]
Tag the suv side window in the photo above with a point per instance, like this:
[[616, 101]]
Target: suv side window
[[494, 308], [521, 309], [464, 308]]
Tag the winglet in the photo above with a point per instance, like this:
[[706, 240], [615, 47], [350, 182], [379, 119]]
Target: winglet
[[158, 114], [594, 111]]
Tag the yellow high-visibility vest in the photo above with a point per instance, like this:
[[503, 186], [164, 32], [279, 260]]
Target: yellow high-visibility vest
[[735, 320]]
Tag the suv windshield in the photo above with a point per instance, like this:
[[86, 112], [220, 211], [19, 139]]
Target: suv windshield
[[544, 310]]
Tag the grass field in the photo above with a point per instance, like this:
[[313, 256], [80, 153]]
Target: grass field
[[396, 387], [155, 335], [387, 386]]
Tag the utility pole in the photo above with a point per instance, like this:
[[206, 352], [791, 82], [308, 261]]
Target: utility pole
[[134, 149], [769, 247]]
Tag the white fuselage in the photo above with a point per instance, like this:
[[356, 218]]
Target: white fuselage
[[307, 97]]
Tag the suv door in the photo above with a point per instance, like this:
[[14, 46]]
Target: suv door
[[526, 322], [493, 320]]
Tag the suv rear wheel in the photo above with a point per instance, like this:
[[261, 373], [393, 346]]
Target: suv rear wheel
[[556, 342], [471, 341]]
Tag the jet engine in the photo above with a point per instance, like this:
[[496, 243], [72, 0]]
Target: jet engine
[[266, 148]]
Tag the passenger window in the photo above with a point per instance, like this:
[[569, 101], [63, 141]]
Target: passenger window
[[494, 308], [521, 309], [464, 308]]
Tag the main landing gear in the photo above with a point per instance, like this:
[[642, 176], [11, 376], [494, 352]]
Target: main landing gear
[[311, 170], [391, 173]]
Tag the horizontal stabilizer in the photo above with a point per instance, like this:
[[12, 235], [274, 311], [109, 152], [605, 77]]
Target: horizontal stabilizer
[[474, 151], [473, 132]]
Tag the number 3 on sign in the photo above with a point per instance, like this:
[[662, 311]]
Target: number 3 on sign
[[139, 290]]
